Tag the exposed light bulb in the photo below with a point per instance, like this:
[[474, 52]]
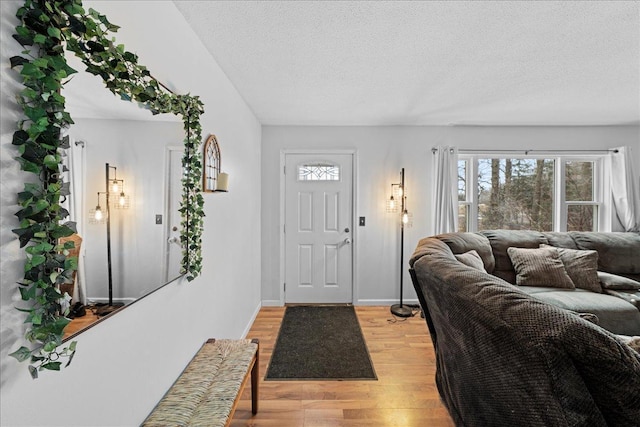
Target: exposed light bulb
[[122, 201], [116, 187], [400, 191], [405, 217], [98, 213], [392, 203]]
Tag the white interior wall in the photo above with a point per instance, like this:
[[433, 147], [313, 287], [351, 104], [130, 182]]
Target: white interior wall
[[126, 363], [382, 152]]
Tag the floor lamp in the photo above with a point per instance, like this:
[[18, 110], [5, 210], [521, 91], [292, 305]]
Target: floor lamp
[[398, 191], [115, 186]]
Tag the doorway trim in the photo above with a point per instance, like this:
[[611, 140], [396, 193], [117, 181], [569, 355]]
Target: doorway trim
[[354, 196], [165, 209]]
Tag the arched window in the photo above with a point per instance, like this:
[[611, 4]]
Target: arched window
[[211, 167]]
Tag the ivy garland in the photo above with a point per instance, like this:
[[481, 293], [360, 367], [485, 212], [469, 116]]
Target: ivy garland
[[45, 28]]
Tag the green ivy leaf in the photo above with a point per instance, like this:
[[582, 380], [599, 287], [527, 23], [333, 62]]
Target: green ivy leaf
[[27, 293], [28, 166], [54, 32], [33, 371], [35, 318], [49, 347], [71, 263], [24, 40], [52, 366], [21, 354], [36, 260], [51, 162], [17, 61], [20, 137]]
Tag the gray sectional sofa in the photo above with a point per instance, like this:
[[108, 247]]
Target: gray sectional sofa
[[516, 347]]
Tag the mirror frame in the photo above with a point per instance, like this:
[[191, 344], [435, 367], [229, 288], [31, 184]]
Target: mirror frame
[[46, 28]]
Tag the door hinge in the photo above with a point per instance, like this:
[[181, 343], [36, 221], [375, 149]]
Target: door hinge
[[284, 228], [285, 287], [284, 170]]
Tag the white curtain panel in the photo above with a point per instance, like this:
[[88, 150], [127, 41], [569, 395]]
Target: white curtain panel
[[445, 189], [626, 199], [75, 161]]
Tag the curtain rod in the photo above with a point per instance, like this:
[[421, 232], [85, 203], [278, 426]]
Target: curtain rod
[[471, 151]]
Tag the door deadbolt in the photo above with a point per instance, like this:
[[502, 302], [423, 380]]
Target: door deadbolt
[[346, 230]]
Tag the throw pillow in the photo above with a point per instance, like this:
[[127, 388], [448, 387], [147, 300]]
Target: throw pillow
[[472, 259], [618, 283], [581, 266], [539, 267]]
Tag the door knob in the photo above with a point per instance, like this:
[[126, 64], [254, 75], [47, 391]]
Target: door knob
[[347, 241], [173, 240]]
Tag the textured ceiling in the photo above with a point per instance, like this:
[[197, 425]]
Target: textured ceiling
[[427, 63]]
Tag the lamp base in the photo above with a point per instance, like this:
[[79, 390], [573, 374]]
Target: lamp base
[[104, 310], [401, 310]]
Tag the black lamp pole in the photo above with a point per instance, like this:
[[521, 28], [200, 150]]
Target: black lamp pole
[[110, 308], [401, 310]]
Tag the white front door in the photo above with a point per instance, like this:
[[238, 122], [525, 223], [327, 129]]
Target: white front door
[[318, 228]]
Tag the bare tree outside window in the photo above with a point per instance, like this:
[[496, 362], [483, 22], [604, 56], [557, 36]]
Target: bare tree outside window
[[522, 194], [463, 196], [515, 194], [582, 210]]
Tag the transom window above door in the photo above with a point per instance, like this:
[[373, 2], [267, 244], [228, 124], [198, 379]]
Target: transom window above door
[[319, 172]]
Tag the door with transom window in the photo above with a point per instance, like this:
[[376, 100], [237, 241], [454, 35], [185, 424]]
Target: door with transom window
[[318, 228]]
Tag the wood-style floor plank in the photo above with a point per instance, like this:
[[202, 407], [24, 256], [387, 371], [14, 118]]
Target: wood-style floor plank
[[404, 395]]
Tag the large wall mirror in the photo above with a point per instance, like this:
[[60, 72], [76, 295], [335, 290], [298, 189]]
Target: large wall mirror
[[154, 219], [116, 143]]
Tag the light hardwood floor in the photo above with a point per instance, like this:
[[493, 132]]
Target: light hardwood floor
[[404, 395]]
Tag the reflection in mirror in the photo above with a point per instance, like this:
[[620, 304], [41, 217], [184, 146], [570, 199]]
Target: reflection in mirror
[[144, 153]]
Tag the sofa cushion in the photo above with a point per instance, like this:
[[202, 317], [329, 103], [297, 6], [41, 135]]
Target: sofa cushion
[[460, 243], [560, 239], [539, 267], [614, 314], [618, 252], [582, 267], [615, 282], [501, 240], [472, 259]]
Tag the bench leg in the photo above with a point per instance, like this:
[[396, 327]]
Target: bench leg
[[255, 378]]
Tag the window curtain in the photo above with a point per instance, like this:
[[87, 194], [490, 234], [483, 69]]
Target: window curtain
[[445, 189], [624, 190], [75, 162]]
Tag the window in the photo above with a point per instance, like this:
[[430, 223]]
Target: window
[[581, 205], [211, 164], [545, 194], [319, 172]]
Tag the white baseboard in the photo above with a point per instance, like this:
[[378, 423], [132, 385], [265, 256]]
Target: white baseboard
[[276, 303], [271, 303], [250, 323], [388, 302], [125, 301]]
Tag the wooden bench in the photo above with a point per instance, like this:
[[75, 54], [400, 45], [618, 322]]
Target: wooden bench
[[208, 390]]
